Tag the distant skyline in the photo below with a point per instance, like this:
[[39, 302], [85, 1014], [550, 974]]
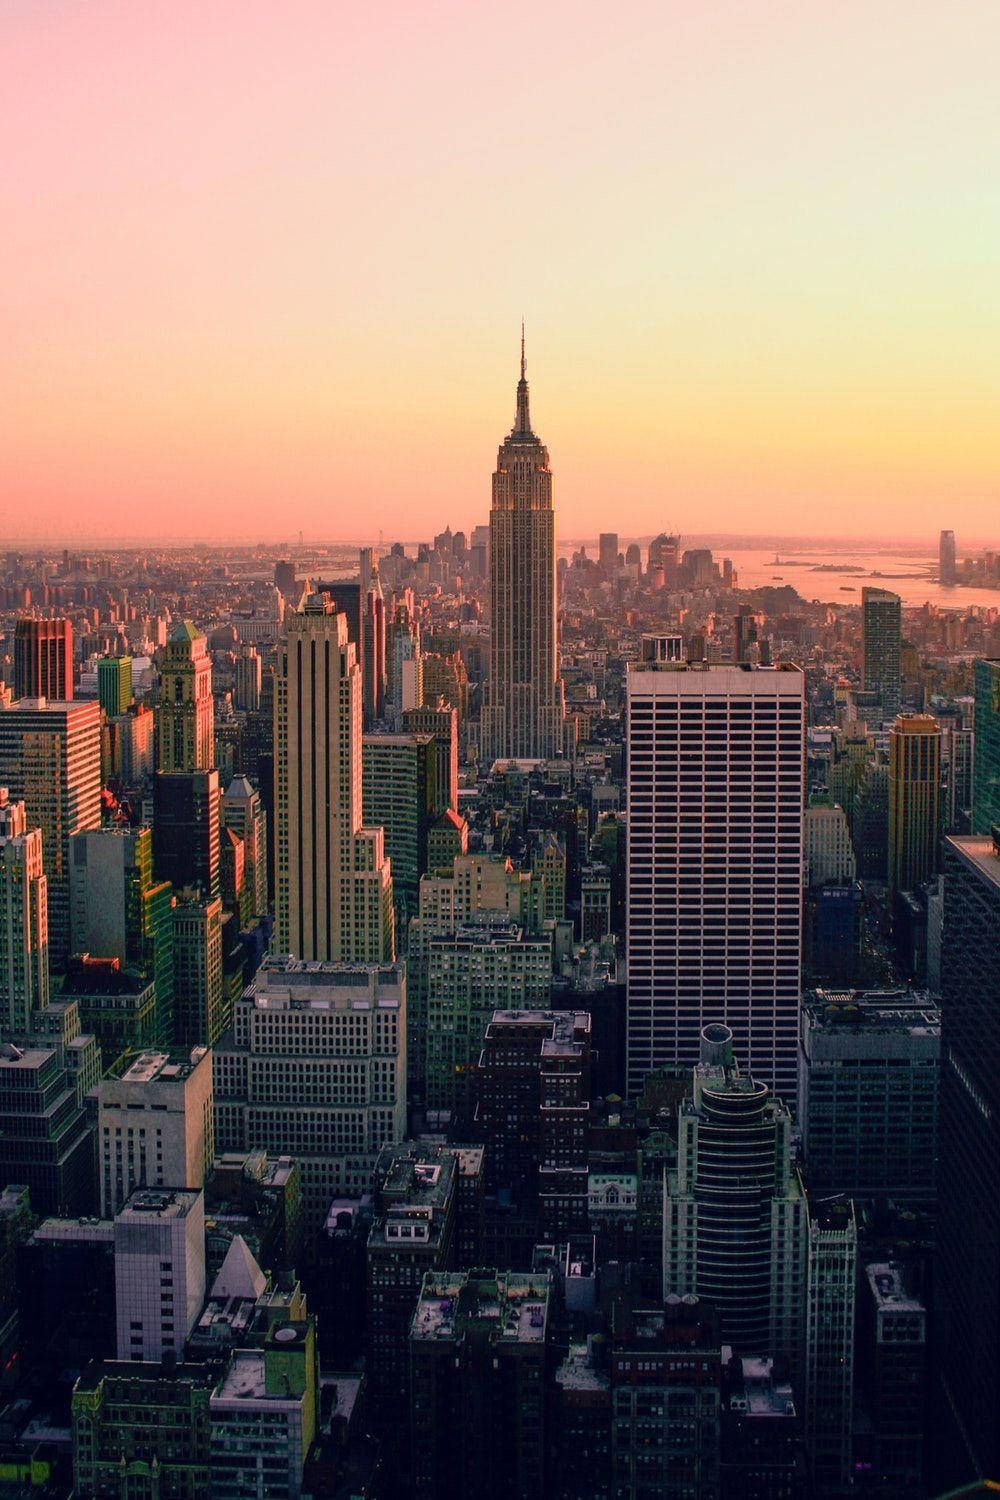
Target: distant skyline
[[266, 265]]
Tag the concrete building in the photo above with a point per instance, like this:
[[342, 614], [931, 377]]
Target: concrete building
[[829, 1344], [24, 923], [869, 1071], [666, 1372], [43, 659], [533, 1113], [248, 679], [264, 1414], [947, 564], [159, 1272], [50, 758], [185, 709], [892, 1371], [914, 801], [485, 964], [201, 1004], [142, 1430], [735, 1216], [480, 1355], [155, 1126], [524, 706], [46, 1140], [119, 910], [241, 811], [333, 881], [315, 1066], [441, 721], [715, 793], [827, 846], [881, 646]]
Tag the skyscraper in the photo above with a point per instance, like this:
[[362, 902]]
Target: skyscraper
[[947, 567], [114, 684], [607, 553], [186, 829], [43, 659], [986, 757], [399, 795], [333, 881], [186, 714], [524, 707], [881, 641], [248, 679], [914, 800], [24, 932], [50, 756], [967, 1271], [715, 788]]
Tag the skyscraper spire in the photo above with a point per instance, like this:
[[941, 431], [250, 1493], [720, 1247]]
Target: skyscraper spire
[[522, 425]]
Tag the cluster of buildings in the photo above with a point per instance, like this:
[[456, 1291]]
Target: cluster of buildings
[[497, 1020]]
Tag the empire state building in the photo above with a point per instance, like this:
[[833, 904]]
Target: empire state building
[[524, 709]]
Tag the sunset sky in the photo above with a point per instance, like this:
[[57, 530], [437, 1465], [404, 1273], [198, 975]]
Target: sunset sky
[[264, 264]]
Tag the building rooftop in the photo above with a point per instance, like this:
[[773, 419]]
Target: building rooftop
[[578, 1371], [163, 1067], [980, 853], [512, 1307], [889, 1288], [913, 1011], [146, 1203]]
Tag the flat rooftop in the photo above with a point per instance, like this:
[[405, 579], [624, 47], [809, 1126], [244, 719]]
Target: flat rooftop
[[979, 853], [890, 1290], [164, 1067], [513, 1306], [147, 1203]]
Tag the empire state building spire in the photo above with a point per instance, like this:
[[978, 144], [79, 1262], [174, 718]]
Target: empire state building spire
[[522, 424], [524, 704]]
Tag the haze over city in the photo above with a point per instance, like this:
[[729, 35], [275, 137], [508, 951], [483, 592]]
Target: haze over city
[[265, 266]]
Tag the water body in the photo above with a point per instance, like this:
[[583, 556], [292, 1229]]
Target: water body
[[838, 578]]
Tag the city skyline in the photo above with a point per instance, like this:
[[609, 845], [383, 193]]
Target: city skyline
[[212, 327]]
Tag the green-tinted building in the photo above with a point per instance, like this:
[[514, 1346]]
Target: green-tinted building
[[986, 779], [114, 684], [117, 1005], [399, 795], [142, 1429]]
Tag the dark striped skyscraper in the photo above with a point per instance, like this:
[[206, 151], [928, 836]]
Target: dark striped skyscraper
[[43, 659], [881, 642], [524, 709]]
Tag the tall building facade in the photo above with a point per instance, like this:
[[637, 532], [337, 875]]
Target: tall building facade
[[986, 763], [914, 800], [241, 812], [187, 717], [715, 809], [43, 659], [967, 1273], [114, 684], [333, 881], [315, 1066], [186, 829], [399, 782], [524, 709], [24, 925], [155, 1126], [50, 757], [159, 1272], [881, 644], [947, 561]]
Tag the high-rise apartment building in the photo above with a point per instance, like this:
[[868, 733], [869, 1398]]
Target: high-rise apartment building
[[43, 659], [186, 713], [967, 1273], [24, 923], [881, 644], [50, 758], [828, 1385], [159, 1272], [947, 561], [715, 793], [114, 684], [524, 709], [914, 801], [333, 881], [986, 774], [315, 1066], [155, 1126]]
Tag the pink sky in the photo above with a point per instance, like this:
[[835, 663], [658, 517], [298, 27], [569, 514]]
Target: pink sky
[[264, 265]]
